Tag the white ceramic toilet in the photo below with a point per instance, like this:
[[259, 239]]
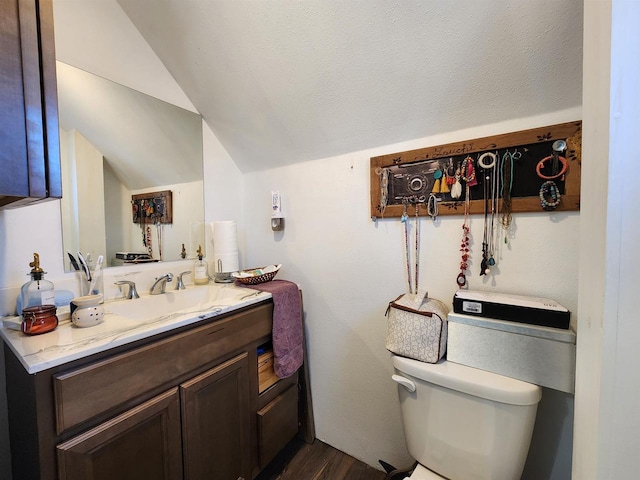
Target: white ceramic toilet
[[462, 423]]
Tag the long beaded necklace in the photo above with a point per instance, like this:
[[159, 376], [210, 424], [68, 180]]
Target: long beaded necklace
[[494, 209], [405, 219], [148, 241], [468, 170], [484, 269], [159, 234], [506, 174], [490, 194]]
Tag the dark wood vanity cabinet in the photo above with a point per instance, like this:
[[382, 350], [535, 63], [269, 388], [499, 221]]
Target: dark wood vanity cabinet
[[143, 442], [203, 423], [185, 406], [216, 425], [29, 138]]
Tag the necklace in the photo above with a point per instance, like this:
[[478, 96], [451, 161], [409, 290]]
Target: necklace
[[159, 234], [461, 280], [405, 219], [484, 266], [506, 173], [148, 241], [417, 246], [494, 211], [490, 195]]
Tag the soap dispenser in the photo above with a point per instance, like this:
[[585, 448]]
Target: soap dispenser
[[200, 269], [38, 291]]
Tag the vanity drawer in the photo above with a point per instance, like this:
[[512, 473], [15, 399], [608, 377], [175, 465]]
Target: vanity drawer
[[277, 425], [89, 391], [266, 375]]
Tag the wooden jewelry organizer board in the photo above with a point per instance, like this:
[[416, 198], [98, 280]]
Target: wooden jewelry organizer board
[[533, 145]]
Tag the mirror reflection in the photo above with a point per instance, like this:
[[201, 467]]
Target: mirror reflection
[[117, 144]]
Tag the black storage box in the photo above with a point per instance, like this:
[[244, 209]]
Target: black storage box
[[132, 256], [513, 308]]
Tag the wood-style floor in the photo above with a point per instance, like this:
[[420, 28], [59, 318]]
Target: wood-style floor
[[317, 461]]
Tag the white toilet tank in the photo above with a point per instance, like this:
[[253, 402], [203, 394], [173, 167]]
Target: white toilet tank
[[464, 423]]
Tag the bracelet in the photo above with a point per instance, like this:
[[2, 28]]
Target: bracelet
[[549, 195], [469, 172], [540, 166], [487, 165]]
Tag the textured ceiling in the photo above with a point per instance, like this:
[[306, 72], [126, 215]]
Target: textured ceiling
[[285, 81]]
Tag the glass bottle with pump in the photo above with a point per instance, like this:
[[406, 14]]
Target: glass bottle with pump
[[38, 291], [200, 270]]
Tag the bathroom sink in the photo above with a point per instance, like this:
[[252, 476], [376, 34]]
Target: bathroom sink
[[194, 301]]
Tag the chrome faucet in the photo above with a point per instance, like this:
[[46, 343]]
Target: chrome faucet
[[180, 283], [132, 293], [160, 284]]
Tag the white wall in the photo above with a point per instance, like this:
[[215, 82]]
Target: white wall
[[608, 381], [117, 213], [69, 201], [224, 198], [90, 196], [592, 281], [350, 268], [620, 375]]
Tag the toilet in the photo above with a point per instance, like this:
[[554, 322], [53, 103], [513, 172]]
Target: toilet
[[462, 423]]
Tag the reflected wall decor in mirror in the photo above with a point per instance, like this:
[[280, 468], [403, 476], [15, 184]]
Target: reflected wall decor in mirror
[[115, 143]]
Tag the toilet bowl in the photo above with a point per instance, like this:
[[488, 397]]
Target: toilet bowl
[[462, 423]]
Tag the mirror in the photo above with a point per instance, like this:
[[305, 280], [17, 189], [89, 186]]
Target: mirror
[[116, 143]]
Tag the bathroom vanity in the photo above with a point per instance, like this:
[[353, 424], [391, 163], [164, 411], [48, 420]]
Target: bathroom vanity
[[176, 398]]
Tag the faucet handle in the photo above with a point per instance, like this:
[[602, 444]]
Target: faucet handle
[[180, 283], [132, 293]]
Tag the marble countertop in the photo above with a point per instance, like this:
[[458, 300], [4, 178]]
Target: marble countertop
[[68, 342]]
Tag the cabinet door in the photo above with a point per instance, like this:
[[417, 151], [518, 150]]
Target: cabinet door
[[142, 443], [216, 423], [29, 140]]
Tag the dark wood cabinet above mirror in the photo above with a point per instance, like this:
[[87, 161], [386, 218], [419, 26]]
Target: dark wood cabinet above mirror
[[29, 144]]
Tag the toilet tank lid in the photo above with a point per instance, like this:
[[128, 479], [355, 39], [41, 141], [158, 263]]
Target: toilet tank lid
[[471, 381]]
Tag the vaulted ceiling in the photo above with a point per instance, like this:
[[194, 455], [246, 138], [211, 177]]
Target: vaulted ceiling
[[284, 81]]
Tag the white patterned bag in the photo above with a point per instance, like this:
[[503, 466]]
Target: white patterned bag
[[417, 327]]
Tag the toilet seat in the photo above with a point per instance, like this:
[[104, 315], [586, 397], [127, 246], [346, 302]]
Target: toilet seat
[[422, 473]]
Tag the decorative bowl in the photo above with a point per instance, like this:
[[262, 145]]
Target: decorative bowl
[[87, 300], [86, 311], [87, 316], [258, 275]]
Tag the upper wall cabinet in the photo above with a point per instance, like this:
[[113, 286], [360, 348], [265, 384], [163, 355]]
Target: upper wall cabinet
[[29, 142]]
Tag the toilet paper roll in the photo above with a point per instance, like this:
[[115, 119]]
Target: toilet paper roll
[[225, 237], [225, 262]]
